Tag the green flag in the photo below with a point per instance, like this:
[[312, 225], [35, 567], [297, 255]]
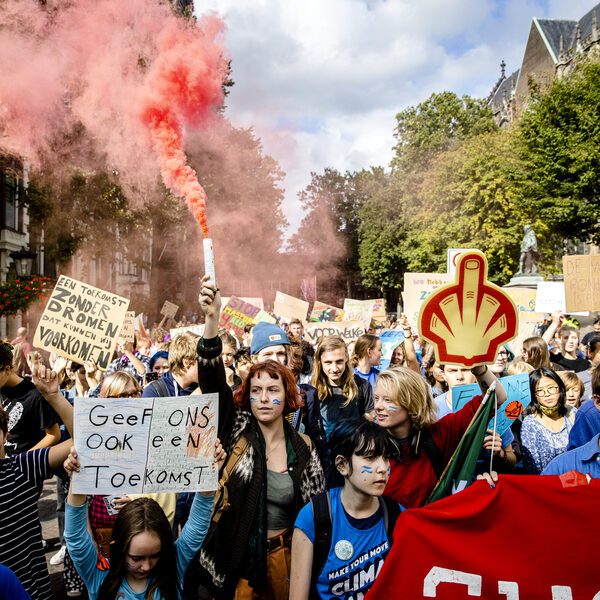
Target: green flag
[[458, 473]]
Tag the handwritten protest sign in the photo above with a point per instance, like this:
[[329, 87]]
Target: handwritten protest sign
[[169, 309], [81, 322], [237, 314], [128, 330], [264, 317], [348, 330], [255, 301], [390, 338], [195, 329], [379, 313], [466, 321], [524, 298], [289, 307], [325, 312], [518, 399], [582, 282], [143, 445], [417, 288], [358, 310], [551, 297]]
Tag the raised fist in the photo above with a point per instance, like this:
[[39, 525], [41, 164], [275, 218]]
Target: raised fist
[[467, 320]]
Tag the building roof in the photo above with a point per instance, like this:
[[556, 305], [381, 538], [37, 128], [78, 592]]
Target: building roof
[[504, 89], [552, 29], [585, 26]]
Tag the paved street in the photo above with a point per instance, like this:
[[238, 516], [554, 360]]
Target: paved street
[[47, 506]]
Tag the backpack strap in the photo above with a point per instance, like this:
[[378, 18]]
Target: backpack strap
[[307, 440], [222, 495], [433, 452], [391, 512], [159, 387], [321, 508]]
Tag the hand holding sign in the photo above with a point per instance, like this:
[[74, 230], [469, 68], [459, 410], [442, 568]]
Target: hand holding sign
[[467, 320]]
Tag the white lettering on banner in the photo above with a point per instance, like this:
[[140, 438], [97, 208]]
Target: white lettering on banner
[[473, 582], [439, 575], [510, 589]]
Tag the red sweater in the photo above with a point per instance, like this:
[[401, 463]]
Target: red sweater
[[410, 484]]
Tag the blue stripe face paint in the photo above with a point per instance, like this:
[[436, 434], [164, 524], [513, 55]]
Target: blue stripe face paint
[[388, 471], [366, 469], [253, 399], [275, 401], [393, 407]]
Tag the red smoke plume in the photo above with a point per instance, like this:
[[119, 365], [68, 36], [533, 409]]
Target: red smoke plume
[[183, 87]]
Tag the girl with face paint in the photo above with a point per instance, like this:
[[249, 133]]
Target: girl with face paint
[[271, 473]]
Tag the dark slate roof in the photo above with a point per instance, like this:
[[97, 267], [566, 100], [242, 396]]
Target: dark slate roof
[[585, 25], [552, 29], [504, 88]]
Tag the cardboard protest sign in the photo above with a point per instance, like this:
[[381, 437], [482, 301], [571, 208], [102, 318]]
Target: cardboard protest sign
[[348, 330], [524, 298], [81, 322], [237, 314], [169, 309], [289, 307], [518, 399], [551, 297], [255, 301], [127, 329], [195, 329], [325, 312], [143, 445], [390, 338], [264, 317], [582, 282], [358, 310], [379, 313], [417, 288], [466, 321]]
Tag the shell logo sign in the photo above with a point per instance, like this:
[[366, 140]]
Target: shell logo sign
[[467, 320]]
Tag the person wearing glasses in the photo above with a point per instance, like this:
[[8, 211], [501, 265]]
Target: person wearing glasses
[[504, 356], [546, 426]]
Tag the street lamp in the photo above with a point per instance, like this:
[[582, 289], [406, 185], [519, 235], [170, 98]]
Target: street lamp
[[23, 260]]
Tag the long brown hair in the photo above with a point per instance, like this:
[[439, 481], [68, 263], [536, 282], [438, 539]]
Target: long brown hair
[[364, 343], [537, 352], [321, 381], [142, 514]]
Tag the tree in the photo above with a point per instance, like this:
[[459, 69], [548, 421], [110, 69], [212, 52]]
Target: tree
[[559, 144], [329, 231], [435, 124]]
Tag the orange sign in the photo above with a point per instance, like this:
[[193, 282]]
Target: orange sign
[[467, 320]]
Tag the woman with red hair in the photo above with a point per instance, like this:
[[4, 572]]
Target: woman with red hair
[[271, 473]]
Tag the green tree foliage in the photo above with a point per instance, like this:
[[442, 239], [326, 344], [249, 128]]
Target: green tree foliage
[[435, 125], [332, 202], [559, 143]]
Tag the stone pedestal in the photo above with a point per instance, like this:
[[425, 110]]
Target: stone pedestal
[[526, 281]]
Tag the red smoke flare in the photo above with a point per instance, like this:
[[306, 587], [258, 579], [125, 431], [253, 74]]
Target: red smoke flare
[[184, 86]]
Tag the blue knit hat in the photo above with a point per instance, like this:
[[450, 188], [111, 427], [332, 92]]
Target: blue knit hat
[[267, 334]]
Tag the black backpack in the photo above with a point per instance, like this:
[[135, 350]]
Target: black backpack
[[159, 387], [321, 508]]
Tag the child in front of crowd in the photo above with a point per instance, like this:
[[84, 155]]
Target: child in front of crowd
[[339, 527]]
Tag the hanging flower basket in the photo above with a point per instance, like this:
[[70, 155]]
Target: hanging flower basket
[[18, 294]]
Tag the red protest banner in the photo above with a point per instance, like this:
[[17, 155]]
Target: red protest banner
[[498, 543]]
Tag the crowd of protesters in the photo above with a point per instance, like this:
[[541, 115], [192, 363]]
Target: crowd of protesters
[[319, 453]]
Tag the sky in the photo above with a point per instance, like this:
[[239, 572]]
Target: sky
[[321, 81]]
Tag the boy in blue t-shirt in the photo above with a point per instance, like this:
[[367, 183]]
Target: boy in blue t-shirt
[[359, 538]]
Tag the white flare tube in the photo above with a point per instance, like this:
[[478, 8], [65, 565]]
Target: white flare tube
[[209, 259]]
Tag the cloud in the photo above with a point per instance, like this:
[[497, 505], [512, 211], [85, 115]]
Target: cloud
[[321, 82]]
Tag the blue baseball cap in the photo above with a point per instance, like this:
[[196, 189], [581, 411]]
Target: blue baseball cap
[[267, 334]]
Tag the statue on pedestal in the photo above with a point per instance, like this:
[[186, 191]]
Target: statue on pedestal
[[529, 253]]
